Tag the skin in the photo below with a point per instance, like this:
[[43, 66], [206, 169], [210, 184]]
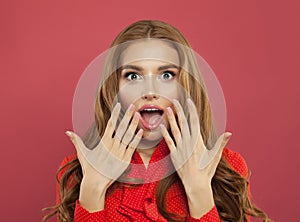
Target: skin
[[144, 76], [197, 182], [94, 184], [144, 87], [139, 88]]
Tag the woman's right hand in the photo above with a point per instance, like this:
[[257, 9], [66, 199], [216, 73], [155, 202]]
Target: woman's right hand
[[102, 165]]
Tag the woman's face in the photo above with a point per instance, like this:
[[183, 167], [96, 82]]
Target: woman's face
[[149, 80]]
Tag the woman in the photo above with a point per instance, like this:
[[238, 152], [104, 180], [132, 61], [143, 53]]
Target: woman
[[162, 109]]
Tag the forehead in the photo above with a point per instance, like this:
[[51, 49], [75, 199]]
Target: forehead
[[149, 49]]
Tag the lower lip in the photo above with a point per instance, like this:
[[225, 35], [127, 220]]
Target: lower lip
[[151, 126]]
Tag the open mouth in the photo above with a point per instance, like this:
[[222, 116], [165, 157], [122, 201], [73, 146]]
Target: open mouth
[[151, 116]]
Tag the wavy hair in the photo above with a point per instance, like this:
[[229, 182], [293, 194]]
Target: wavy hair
[[230, 189]]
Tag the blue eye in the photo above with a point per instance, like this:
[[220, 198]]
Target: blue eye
[[131, 76], [167, 75]]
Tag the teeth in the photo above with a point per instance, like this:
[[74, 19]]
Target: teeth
[[151, 109]]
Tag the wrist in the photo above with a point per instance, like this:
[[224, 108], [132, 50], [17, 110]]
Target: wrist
[[93, 186], [197, 188], [194, 193], [200, 202], [92, 197]]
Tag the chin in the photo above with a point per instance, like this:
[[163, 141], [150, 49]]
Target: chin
[[150, 139], [153, 134]]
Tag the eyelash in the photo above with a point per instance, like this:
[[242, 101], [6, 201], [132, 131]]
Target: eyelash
[[126, 76], [170, 72]]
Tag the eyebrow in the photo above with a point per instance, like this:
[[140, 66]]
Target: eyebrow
[[138, 68], [168, 67], [132, 67]]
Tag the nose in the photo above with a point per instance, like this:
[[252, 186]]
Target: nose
[[150, 96], [149, 92]]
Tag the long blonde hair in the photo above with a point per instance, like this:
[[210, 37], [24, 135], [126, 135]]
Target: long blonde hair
[[230, 189]]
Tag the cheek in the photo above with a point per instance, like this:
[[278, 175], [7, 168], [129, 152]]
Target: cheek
[[127, 96], [169, 91]]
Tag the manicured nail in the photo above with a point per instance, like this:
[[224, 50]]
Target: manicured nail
[[169, 111], [136, 116], [189, 101], [140, 132], [228, 135], [131, 107], [161, 126], [175, 101], [69, 134]]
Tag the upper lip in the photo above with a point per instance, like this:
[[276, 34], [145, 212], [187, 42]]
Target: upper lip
[[150, 107]]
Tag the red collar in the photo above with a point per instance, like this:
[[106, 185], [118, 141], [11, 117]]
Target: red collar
[[160, 165]]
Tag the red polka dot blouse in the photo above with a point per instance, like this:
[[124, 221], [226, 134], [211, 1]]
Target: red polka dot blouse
[[138, 202]]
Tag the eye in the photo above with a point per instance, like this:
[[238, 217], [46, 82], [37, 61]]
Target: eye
[[167, 75], [131, 76]]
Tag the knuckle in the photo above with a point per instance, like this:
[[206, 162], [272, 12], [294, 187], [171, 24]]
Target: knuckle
[[132, 144], [177, 134]]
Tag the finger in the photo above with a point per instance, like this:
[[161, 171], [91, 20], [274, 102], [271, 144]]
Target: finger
[[124, 122], [215, 161], [183, 124], [174, 127], [131, 129], [167, 138], [133, 145], [225, 138], [76, 140], [194, 119], [78, 144], [222, 141], [213, 156], [115, 148], [111, 124]]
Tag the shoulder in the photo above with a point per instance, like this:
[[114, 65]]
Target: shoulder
[[64, 164], [236, 161], [68, 159]]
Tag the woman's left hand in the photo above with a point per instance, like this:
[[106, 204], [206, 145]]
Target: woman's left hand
[[195, 164]]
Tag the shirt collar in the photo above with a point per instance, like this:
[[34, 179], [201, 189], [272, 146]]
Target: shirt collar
[[160, 165]]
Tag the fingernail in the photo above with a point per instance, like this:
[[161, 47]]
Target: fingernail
[[140, 132], [169, 111], [175, 101], [131, 107], [69, 134], [136, 116], [228, 135], [161, 126], [189, 101]]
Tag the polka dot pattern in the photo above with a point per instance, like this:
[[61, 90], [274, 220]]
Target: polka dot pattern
[[236, 161], [138, 203]]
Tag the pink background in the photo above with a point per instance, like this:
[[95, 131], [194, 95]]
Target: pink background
[[253, 47]]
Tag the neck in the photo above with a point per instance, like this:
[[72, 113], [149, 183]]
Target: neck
[[146, 149], [146, 154]]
